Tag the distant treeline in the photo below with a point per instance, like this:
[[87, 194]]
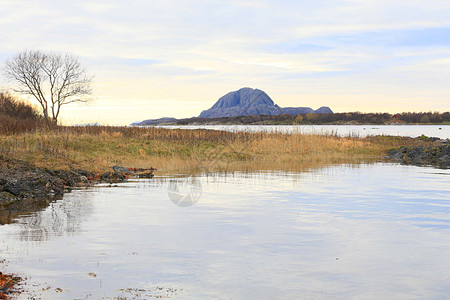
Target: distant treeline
[[376, 118], [284, 118], [336, 118]]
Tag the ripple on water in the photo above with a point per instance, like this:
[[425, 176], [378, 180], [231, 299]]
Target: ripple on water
[[365, 231]]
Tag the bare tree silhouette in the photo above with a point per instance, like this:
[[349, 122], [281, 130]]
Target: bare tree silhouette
[[53, 79]]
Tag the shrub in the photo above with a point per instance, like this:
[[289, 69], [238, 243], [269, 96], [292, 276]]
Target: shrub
[[17, 116]]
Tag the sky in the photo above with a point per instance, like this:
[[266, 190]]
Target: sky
[[175, 58]]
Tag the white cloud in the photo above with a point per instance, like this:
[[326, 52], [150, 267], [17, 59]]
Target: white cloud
[[200, 49]]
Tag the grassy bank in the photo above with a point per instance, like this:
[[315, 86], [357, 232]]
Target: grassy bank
[[99, 148]]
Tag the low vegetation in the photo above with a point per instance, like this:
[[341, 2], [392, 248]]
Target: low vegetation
[[99, 148]]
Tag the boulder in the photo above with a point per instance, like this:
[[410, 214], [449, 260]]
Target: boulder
[[123, 170], [113, 177], [13, 187]]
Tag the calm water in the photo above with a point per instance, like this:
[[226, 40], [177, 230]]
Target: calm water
[[379, 231], [441, 131]]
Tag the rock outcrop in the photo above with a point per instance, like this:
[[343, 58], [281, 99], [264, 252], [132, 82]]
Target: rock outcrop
[[248, 102], [438, 155], [20, 180]]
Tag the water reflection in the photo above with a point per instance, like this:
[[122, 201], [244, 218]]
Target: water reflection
[[60, 218], [10, 213], [345, 232]]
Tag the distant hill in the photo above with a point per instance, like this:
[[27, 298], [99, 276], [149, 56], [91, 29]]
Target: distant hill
[[154, 122], [253, 102]]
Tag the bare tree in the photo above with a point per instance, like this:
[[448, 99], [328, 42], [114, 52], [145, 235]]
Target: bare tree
[[53, 79]]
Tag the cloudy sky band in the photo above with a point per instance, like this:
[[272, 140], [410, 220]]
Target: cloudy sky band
[[350, 55]]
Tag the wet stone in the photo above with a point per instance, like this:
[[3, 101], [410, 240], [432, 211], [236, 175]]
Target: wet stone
[[12, 187]]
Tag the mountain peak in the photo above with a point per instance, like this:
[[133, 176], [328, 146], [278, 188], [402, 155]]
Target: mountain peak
[[247, 101], [244, 97]]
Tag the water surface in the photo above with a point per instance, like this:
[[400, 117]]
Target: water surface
[[440, 131], [379, 231]]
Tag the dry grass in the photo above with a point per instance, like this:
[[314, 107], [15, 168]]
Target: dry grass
[[99, 148]]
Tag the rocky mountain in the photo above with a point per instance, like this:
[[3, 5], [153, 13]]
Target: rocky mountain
[[248, 101]]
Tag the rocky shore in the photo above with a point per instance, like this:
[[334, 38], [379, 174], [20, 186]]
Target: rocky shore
[[20, 180], [434, 155]]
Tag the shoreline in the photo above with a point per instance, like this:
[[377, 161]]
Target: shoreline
[[21, 180], [348, 118]]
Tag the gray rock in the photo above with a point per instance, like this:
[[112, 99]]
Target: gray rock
[[120, 169], [13, 187], [113, 177], [82, 172], [19, 187], [422, 155], [70, 178]]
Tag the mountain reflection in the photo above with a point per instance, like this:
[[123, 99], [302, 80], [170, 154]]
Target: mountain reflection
[[60, 218]]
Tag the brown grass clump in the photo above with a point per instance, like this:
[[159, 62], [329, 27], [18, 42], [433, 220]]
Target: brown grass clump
[[97, 148]]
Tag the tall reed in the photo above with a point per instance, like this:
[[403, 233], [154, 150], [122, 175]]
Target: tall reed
[[97, 148]]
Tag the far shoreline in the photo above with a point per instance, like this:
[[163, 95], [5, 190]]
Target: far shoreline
[[350, 118]]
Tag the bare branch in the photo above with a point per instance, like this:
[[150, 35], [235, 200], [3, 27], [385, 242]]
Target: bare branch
[[52, 79]]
